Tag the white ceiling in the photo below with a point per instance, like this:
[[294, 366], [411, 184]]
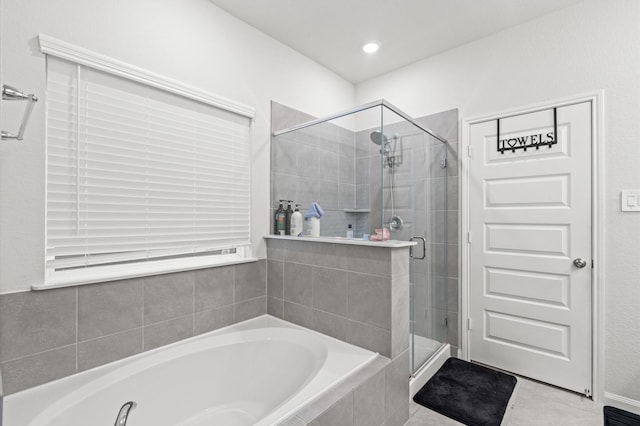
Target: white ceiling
[[332, 32]]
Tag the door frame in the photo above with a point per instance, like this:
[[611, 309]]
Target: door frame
[[597, 226]]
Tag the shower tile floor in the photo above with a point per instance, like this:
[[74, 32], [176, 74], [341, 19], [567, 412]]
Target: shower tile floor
[[533, 404]]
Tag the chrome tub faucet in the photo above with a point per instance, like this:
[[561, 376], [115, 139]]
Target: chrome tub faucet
[[123, 414]]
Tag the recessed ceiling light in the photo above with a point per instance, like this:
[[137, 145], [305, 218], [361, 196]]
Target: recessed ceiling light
[[371, 47]]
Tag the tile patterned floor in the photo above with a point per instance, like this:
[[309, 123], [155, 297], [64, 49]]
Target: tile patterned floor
[[533, 404]]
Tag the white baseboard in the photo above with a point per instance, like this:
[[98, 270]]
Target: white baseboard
[[429, 369], [621, 402]]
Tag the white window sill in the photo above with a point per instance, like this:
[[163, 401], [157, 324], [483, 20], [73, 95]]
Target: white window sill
[[123, 272]]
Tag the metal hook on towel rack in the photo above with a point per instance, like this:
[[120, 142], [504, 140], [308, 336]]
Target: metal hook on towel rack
[[12, 94]]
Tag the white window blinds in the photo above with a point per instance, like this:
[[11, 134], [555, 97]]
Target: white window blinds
[[138, 177]]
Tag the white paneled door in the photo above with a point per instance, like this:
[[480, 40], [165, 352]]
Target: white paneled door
[[530, 245]]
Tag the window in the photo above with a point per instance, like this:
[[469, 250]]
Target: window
[[139, 180]]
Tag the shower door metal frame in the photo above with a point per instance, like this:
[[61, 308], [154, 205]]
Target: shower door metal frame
[[359, 108]]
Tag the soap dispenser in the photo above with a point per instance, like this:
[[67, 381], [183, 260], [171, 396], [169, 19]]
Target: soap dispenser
[[350, 232]]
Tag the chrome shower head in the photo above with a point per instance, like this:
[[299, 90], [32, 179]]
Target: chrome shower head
[[378, 138]]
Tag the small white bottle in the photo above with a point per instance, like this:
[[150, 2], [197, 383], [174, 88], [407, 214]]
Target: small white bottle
[[296, 222], [314, 227], [349, 232]]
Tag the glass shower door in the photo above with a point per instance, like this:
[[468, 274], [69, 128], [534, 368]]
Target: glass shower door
[[413, 176], [428, 276]]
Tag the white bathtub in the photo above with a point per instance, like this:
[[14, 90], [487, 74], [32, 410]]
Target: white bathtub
[[258, 372]]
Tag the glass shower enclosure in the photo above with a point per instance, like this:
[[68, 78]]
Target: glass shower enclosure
[[377, 169]]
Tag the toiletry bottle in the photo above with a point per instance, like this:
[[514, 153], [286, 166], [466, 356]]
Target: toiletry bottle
[[314, 227], [288, 212], [296, 222], [281, 220], [276, 216], [350, 232]]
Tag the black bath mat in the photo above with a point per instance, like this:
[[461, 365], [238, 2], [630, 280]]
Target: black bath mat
[[469, 393], [616, 417]]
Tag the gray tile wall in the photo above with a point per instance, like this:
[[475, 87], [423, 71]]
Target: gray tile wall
[[46, 335], [313, 164], [359, 294]]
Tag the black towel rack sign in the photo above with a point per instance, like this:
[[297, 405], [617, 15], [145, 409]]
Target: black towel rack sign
[[530, 141]]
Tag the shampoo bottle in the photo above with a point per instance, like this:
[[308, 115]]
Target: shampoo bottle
[[281, 220], [288, 212], [296, 222], [275, 218]]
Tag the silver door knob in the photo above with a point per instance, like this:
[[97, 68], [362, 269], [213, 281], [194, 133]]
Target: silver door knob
[[580, 263]]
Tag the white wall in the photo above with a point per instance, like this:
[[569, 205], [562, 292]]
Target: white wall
[[591, 46], [192, 41]]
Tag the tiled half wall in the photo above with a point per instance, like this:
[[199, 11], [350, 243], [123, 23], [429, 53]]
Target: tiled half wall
[[358, 294]]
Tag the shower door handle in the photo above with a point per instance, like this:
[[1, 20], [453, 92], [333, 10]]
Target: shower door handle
[[424, 248]]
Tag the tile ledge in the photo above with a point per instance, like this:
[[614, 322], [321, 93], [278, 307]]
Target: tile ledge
[[344, 241]]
